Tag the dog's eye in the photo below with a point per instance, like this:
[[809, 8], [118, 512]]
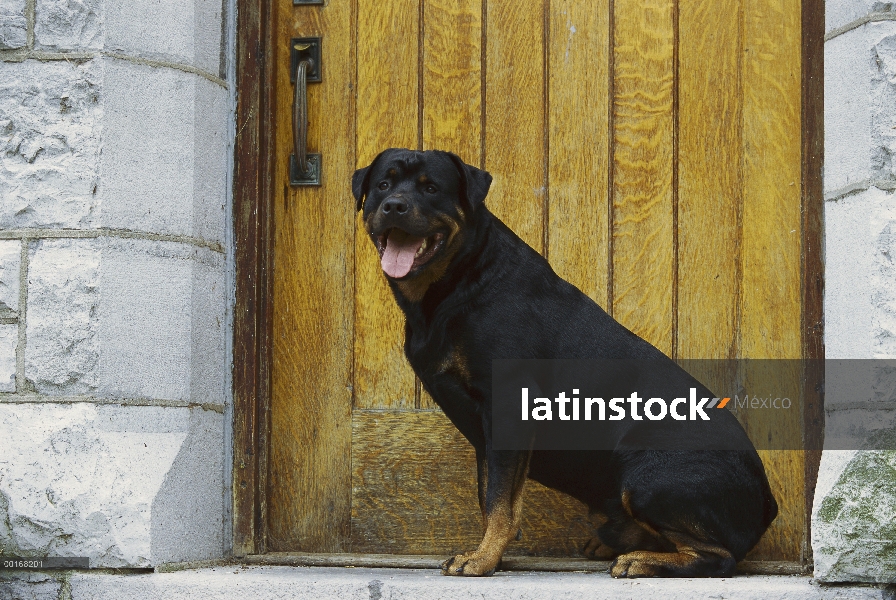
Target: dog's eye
[[383, 185], [431, 189]]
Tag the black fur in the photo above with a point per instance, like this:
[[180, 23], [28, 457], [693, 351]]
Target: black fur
[[498, 298]]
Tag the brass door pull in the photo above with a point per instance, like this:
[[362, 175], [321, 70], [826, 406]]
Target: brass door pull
[[304, 166]]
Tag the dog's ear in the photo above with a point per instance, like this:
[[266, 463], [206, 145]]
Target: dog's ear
[[474, 182], [361, 178], [360, 183]]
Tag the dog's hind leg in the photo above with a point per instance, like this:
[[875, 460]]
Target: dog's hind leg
[[691, 558], [685, 551], [618, 533]]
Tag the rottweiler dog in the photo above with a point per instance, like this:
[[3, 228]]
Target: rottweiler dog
[[472, 291]]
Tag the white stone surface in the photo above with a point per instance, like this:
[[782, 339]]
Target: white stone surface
[[10, 274], [126, 318], [162, 322], [860, 276], [838, 13], [183, 32], [162, 152], [122, 485], [62, 349], [24, 585], [847, 290], [68, 24], [9, 340], [50, 125], [300, 583], [860, 91], [13, 27], [165, 153], [180, 31]]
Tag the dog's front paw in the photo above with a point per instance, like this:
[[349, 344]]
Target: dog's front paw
[[473, 564]]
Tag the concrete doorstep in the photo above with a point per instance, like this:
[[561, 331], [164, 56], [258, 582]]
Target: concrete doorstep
[[301, 583]]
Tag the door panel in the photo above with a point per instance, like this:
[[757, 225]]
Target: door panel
[[649, 149]]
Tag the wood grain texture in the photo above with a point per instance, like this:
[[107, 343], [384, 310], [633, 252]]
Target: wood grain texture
[[452, 86], [250, 214], [387, 34], [452, 77], [515, 109], [710, 192], [578, 164], [414, 483], [309, 472], [643, 169], [771, 241]]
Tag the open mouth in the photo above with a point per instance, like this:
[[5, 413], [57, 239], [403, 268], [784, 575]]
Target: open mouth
[[401, 252]]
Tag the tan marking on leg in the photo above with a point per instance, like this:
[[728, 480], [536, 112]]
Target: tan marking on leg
[[685, 561], [501, 528]]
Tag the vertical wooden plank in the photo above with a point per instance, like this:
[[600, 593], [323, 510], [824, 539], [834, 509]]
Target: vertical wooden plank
[[771, 299], [514, 129], [578, 169], [709, 179], [710, 182], [387, 117], [452, 85], [309, 468], [251, 196], [642, 225]]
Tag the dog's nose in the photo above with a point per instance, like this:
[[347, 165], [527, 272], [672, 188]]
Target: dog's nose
[[396, 205]]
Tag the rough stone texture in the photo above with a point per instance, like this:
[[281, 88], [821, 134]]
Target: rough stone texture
[[854, 509], [168, 30], [838, 13], [126, 318], [122, 485], [50, 125], [239, 583], [68, 24], [10, 275], [62, 350], [860, 91], [13, 27], [165, 152], [25, 585], [854, 523], [183, 32], [9, 340]]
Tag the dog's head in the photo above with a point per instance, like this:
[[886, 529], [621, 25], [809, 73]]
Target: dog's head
[[416, 206]]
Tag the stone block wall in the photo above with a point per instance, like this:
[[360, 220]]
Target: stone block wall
[[854, 514], [115, 285]]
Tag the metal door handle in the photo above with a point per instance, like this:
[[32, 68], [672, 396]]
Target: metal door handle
[[304, 167]]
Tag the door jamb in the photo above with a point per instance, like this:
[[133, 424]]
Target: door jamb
[[253, 236]]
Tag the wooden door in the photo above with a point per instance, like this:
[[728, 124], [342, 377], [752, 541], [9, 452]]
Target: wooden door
[[650, 149]]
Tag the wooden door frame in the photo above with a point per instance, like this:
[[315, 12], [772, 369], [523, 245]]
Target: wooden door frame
[[253, 235]]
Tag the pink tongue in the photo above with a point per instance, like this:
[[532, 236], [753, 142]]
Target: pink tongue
[[398, 257]]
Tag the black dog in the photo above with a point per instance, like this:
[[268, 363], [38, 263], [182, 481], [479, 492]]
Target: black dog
[[472, 291]]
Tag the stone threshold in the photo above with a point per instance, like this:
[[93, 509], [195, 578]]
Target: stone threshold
[[509, 563], [251, 582]]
